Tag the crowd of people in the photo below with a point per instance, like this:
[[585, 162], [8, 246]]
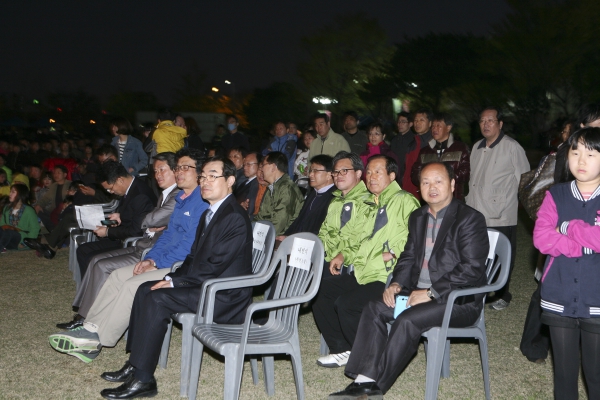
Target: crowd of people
[[416, 208]]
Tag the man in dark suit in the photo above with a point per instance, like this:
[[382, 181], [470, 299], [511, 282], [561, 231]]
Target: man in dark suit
[[446, 249], [138, 200], [222, 248], [247, 191]]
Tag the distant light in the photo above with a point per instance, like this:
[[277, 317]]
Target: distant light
[[414, 84], [354, 80], [227, 82], [324, 100], [52, 121], [92, 121], [58, 109], [103, 111], [214, 89], [35, 101]]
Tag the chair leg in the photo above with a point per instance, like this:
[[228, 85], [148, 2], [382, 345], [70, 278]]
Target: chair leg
[[187, 322], [483, 350], [435, 354], [233, 375], [268, 363], [164, 351], [254, 370], [324, 350], [196, 364], [446, 361], [297, 368]]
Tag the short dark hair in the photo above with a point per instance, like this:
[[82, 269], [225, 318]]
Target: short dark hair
[[352, 114], [279, 159], [588, 136], [62, 168], [228, 167], [426, 111], [375, 125], [234, 117], [259, 156], [107, 150], [22, 193], [166, 115], [354, 158], [166, 156], [444, 117], [123, 126], [111, 171], [319, 116], [447, 166], [194, 154], [406, 115], [390, 164], [499, 114], [241, 150], [323, 160], [588, 114]]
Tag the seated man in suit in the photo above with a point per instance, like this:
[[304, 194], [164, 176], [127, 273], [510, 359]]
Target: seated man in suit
[[138, 200], [154, 224], [108, 316], [245, 193], [222, 248], [317, 201], [343, 296], [282, 200], [447, 249]]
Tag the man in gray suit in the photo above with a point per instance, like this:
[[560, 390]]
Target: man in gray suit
[[154, 223]]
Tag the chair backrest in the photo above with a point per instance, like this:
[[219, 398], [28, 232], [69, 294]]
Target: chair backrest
[[294, 283], [498, 260], [263, 233]]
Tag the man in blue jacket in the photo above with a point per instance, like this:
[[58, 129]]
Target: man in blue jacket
[[108, 317], [284, 143]]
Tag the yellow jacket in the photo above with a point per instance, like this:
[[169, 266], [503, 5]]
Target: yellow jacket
[[168, 137]]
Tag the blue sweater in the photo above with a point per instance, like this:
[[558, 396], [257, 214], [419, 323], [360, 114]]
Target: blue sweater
[[176, 242]]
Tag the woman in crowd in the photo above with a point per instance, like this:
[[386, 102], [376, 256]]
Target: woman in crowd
[[18, 220], [376, 144], [301, 163], [131, 153]]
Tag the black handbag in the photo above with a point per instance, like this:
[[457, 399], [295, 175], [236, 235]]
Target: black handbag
[[535, 183]]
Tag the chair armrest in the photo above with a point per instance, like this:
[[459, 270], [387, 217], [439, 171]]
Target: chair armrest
[[460, 293], [131, 241], [176, 265]]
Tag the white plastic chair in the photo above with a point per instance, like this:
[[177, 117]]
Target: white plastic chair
[[260, 262], [279, 335]]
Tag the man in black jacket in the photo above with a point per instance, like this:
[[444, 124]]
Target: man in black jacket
[[137, 201], [446, 249]]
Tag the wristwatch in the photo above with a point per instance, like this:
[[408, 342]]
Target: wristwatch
[[430, 294]]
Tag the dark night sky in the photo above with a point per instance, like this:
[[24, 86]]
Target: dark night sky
[[105, 46]]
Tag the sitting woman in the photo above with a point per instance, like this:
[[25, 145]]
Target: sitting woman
[[18, 220], [376, 145]]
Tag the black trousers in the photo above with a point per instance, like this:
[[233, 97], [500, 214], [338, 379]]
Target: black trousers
[[511, 234], [61, 231], [86, 251], [535, 341], [150, 317], [338, 308], [383, 357]]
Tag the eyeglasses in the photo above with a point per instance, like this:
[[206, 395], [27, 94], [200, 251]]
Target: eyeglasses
[[314, 171], [110, 190], [402, 122], [160, 171], [487, 121], [209, 178], [341, 172], [183, 168]]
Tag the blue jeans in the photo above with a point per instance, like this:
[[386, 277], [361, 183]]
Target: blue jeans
[[9, 239]]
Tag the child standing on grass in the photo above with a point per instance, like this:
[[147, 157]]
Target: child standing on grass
[[568, 231]]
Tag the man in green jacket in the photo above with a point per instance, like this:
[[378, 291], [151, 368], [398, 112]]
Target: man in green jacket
[[282, 201], [343, 229], [342, 297]]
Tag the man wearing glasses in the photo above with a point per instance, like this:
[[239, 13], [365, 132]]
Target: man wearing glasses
[[497, 162], [282, 201]]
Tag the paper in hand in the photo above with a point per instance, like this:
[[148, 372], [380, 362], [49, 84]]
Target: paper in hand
[[89, 217]]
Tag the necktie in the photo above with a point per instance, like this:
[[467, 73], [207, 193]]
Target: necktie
[[209, 215]]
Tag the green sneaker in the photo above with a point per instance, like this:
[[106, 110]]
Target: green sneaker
[[78, 339], [85, 355]]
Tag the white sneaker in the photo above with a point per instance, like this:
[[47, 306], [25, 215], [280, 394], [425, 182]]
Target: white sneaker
[[334, 360]]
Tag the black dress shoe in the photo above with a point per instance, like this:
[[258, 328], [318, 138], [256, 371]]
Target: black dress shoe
[[365, 390], [121, 375], [47, 252], [131, 389], [33, 244], [75, 323]]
